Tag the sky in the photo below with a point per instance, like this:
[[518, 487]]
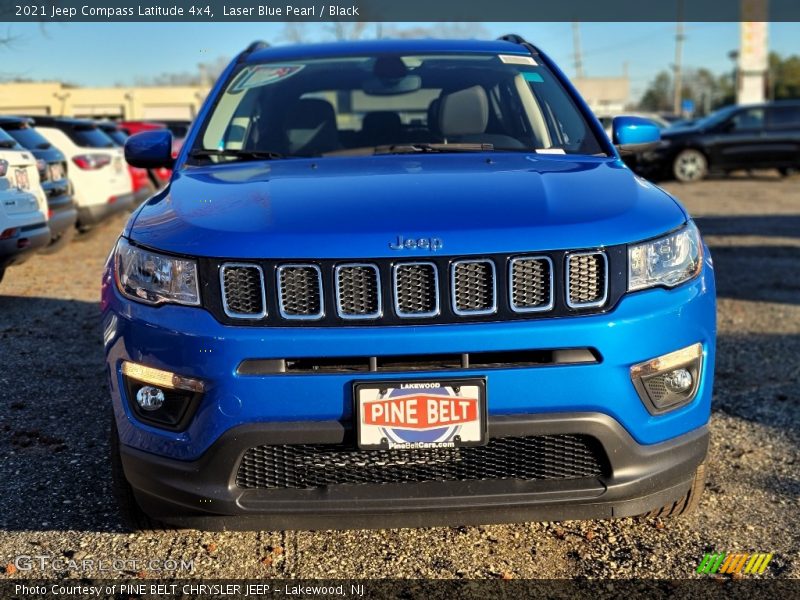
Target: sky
[[103, 54]]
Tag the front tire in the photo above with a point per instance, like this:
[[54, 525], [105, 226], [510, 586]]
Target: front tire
[[133, 517], [690, 165]]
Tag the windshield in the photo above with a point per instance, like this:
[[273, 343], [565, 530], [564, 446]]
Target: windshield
[[6, 141], [89, 136], [117, 135], [715, 118], [27, 137], [453, 102]]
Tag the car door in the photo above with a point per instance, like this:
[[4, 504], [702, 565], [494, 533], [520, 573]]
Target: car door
[[783, 132], [740, 142]]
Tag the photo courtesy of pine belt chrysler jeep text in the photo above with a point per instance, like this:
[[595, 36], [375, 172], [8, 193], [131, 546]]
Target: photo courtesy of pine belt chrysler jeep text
[[405, 283]]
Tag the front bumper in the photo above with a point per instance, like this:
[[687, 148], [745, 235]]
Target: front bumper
[[188, 476], [203, 493]]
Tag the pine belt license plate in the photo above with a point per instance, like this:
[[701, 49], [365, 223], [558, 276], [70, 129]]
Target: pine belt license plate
[[416, 414]]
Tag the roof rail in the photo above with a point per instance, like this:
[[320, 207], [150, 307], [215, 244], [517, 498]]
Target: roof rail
[[513, 38], [255, 46]]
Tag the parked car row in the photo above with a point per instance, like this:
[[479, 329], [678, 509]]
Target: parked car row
[[756, 136], [59, 175]]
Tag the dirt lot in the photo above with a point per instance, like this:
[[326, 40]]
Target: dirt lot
[[54, 471]]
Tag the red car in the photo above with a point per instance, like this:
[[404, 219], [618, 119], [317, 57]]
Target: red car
[[143, 186]]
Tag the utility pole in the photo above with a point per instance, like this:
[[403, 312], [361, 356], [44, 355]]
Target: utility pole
[[576, 40], [677, 79]]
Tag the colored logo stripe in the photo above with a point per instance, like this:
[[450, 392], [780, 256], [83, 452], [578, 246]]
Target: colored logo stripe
[[734, 563]]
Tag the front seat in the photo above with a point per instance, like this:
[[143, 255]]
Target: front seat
[[311, 127], [464, 116]]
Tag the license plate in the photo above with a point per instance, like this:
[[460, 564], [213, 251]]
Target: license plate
[[56, 171], [410, 415], [21, 177]]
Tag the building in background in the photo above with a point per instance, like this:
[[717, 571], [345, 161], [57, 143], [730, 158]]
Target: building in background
[[152, 103], [604, 94]]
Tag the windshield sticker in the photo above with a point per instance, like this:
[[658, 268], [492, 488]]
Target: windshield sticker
[[513, 59], [532, 77], [550, 151], [265, 75]]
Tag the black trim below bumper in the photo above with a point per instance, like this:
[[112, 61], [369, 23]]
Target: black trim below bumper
[[203, 493]]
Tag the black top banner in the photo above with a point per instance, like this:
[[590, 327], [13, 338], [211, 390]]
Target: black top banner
[[400, 10]]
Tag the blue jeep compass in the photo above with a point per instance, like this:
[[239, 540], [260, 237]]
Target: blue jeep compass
[[405, 283]]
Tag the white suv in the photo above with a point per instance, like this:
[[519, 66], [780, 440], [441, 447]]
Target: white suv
[[23, 206], [98, 171]]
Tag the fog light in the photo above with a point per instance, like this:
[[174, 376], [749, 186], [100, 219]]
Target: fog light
[[150, 398], [161, 398], [669, 381], [678, 381]]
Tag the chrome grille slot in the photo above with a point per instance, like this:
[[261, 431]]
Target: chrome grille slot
[[587, 279], [531, 284], [243, 291], [416, 289], [473, 287], [358, 291], [300, 291]]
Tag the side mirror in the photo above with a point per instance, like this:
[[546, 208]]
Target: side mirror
[[634, 134], [150, 149]]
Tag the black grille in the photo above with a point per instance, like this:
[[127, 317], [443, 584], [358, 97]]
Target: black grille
[[531, 284], [243, 291], [438, 289], [416, 289], [358, 291], [586, 280], [300, 291], [307, 466], [474, 287]]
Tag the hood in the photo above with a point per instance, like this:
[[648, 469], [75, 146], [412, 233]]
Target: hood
[[358, 206]]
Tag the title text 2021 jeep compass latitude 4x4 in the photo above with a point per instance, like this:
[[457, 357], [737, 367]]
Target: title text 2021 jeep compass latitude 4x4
[[405, 283]]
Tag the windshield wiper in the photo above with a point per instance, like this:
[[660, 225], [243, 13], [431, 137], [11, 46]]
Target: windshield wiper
[[236, 154], [411, 148]]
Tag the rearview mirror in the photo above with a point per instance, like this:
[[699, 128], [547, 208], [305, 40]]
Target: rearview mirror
[[150, 149], [634, 134]]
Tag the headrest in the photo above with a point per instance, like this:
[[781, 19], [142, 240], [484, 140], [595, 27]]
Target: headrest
[[381, 121], [465, 112]]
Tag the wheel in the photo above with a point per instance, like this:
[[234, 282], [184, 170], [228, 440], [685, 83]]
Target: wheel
[[133, 517], [687, 503], [787, 171], [690, 165], [60, 242]]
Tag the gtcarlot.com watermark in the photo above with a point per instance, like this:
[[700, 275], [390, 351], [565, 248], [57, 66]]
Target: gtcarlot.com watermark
[[45, 563]]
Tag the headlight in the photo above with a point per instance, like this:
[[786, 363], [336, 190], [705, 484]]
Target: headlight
[[155, 278], [667, 261]]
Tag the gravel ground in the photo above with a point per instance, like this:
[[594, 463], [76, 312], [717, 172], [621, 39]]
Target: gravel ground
[[56, 498]]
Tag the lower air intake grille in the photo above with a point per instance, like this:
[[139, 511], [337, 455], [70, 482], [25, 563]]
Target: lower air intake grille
[[300, 291], [416, 290], [308, 466], [586, 279], [243, 286]]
